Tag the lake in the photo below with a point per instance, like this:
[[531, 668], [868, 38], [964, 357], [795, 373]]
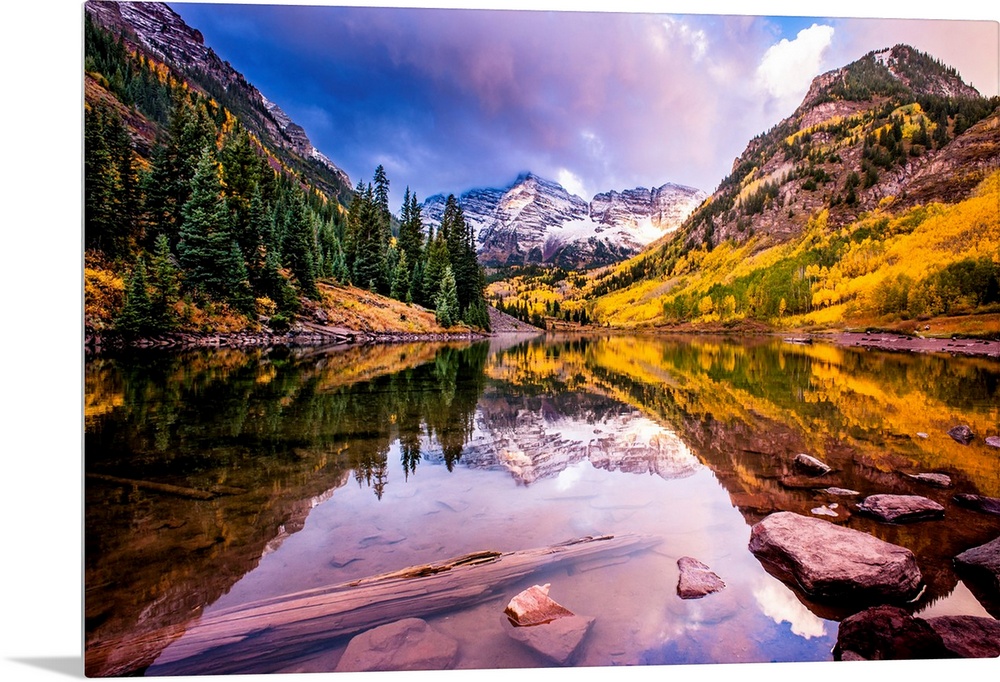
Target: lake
[[220, 479]]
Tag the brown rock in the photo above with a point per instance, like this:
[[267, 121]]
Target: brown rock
[[936, 480], [832, 563], [810, 465], [885, 633], [558, 640], [696, 579], [901, 508], [962, 433], [408, 644], [968, 636], [533, 606], [989, 505], [983, 561]]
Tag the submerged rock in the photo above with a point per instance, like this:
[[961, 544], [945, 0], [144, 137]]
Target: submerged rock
[[968, 636], [937, 480], [408, 644], [901, 508], [696, 579], [885, 633], [989, 505], [533, 606], [558, 640], [829, 562], [841, 492], [810, 465], [962, 433], [993, 441]]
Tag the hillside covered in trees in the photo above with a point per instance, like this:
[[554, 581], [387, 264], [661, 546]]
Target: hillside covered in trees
[[193, 222], [874, 204]]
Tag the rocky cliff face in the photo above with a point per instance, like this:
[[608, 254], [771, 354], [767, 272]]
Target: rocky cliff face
[[535, 220], [158, 31]]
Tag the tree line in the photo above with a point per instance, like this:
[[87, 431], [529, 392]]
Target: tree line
[[214, 221]]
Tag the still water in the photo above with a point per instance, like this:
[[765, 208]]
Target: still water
[[217, 479]]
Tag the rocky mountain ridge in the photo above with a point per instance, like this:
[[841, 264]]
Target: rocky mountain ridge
[[158, 31], [861, 134], [535, 220]]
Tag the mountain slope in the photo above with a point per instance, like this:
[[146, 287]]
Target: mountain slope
[[873, 146], [535, 220], [156, 32]]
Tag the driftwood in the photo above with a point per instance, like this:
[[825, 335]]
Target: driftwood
[[168, 489], [262, 635]]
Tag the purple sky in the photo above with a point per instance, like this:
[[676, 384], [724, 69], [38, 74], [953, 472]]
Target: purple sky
[[451, 99]]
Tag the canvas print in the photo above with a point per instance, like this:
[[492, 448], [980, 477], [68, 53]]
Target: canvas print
[[434, 339]]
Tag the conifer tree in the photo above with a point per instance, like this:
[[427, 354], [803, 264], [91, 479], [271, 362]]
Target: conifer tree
[[299, 246], [136, 316], [208, 252], [446, 303], [434, 266], [401, 281], [165, 284]]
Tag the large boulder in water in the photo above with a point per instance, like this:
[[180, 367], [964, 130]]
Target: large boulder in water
[[885, 633], [987, 505], [408, 644], [962, 434], [832, 563], [558, 640], [901, 508], [968, 636], [534, 606], [980, 568]]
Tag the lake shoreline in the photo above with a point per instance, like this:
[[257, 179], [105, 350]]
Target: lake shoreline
[[893, 342]]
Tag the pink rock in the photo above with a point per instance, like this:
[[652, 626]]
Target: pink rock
[[408, 644], [533, 606], [696, 579], [558, 641]]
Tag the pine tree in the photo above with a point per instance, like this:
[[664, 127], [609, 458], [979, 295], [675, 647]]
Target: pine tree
[[437, 260], [165, 283], [411, 228], [299, 246], [208, 252], [401, 281], [446, 303], [136, 316]]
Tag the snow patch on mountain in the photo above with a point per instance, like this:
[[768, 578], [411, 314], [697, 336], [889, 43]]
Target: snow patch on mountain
[[535, 220]]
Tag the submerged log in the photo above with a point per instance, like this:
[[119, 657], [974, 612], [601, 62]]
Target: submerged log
[[165, 488], [261, 636]]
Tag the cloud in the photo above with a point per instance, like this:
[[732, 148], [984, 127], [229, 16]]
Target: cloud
[[788, 67]]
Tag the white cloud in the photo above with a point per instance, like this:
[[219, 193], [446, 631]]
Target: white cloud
[[788, 67], [572, 182], [780, 605]]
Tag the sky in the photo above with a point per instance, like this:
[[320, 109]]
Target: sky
[[451, 99]]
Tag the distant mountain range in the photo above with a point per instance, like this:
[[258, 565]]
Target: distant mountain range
[[535, 220]]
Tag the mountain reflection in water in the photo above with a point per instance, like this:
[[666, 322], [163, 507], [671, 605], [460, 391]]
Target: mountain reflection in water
[[292, 470]]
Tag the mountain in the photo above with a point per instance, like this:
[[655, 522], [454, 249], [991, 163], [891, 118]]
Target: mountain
[[535, 220], [873, 203], [161, 35]]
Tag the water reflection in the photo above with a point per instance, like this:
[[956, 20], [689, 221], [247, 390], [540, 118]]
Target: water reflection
[[274, 438]]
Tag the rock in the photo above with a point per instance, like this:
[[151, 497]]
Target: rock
[[984, 561], [962, 433], [968, 636], [937, 480], [408, 644], [805, 482], [696, 579], [830, 563], [990, 505], [811, 465], [921, 434], [825, 511], [885, 633], [558, 641], [901, 508], [993, 440], [533, 607], [841, 492]]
